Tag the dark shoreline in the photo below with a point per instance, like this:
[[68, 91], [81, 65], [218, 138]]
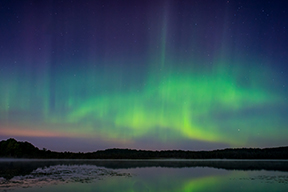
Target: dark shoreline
[[14, 149]]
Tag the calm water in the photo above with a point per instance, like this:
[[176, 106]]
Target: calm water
[[140, 176]]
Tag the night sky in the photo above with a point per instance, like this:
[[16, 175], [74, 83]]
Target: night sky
[[144, 74]]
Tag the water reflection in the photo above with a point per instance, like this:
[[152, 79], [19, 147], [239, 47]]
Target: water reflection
[[140, 176], [58, 174]]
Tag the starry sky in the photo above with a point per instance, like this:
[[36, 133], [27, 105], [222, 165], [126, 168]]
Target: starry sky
[[189, 74]]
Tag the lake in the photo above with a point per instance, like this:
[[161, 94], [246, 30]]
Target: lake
[[143, 175]]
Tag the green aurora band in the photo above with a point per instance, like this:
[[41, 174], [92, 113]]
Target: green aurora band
[[167, 105], [182, 103]]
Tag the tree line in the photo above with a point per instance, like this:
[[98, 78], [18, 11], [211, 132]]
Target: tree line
[[14, 149]]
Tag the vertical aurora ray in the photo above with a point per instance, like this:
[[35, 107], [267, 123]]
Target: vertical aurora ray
[[164, 38]]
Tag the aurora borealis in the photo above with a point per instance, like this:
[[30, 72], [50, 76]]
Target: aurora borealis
[[191, 74]]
